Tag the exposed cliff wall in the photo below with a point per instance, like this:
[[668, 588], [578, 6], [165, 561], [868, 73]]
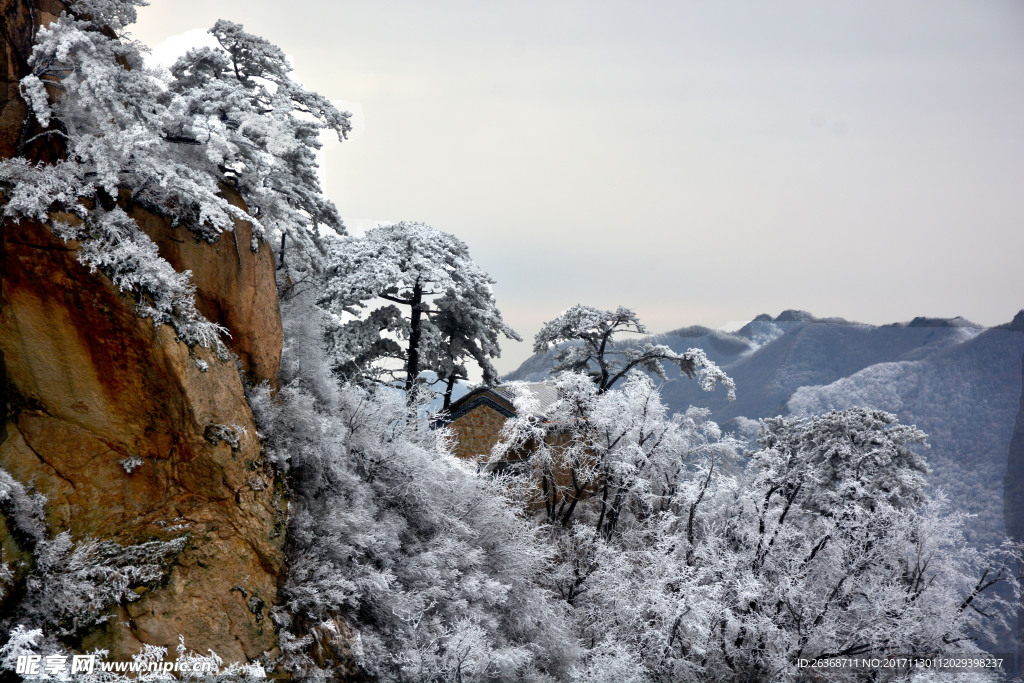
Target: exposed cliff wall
[[234, 287], [88, 385], [19, 20], [1013, 491]]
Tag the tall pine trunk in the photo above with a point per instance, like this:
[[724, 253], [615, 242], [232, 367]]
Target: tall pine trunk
[[448, 391], [412, 366]]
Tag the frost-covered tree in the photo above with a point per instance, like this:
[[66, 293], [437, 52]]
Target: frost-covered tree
[[678, 561], [601, 456], [468, 324], [585, 341], [24, 519], [261, 129], [837, 549], [129, 136], [437, 301], [827, 545], [426, 563], [68, 587], [596, 440], [74, 585]]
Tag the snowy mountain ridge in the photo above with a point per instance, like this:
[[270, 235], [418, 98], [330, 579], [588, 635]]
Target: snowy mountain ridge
[[959, 381]]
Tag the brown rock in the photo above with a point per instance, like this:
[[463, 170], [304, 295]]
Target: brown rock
[[332, 648], [91, 385], [235, 286], [87, 384]]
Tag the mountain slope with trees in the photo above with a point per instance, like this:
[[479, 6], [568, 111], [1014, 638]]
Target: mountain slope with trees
[[957, 381], [691, 559], [189, 463]]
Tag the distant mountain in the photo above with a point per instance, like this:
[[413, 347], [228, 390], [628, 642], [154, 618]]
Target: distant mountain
[[966, 398], [959, 382], [956, 380], [770, 358]]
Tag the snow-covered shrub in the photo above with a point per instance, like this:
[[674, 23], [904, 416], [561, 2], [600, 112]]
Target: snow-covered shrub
[[169, 143], [430, 565], [20, 641], [6, 579], [74, 584], [149, 664], [22, 510], [195, 665], [130, 464], [232, 435]]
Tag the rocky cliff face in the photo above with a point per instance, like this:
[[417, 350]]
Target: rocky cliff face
[[1013, 491], [91, 391], [234, 286]]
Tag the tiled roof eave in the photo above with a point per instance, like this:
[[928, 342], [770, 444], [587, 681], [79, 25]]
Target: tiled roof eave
[[502, 407]]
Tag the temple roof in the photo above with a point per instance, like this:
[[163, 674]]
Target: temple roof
[[501, 398]]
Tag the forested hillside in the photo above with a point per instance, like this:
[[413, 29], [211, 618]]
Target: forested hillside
[[958, 382], [217, 454]]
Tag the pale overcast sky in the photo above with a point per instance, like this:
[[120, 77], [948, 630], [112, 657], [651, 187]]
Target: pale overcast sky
[[700, 162]]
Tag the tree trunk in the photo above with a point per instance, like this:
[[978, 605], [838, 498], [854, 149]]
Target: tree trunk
[[448, 391], [412, 366]]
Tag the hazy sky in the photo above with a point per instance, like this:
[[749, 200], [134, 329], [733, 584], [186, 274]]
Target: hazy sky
[[700, 162]]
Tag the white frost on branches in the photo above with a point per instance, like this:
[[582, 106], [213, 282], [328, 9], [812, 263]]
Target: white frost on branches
[[584, 339], [426, 561], [825, 545], [433, 298], [22, 510], [74, 584], [131, 137], [24, 641]]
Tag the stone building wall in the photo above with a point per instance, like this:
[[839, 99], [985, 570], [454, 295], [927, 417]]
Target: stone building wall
[[476, 432]]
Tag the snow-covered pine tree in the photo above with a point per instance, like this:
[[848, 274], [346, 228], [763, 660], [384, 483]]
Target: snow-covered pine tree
[[261, 129], [131, 136], [584, 339], [438, 302]]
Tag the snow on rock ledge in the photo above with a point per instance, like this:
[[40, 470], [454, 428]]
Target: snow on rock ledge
[[88, 385]]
